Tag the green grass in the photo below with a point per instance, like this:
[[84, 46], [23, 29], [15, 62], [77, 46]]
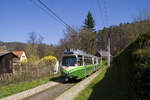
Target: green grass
[[8, 90], [85, 94]]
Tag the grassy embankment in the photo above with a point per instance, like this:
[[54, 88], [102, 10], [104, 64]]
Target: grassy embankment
[[126, 78], [84, 95], [10, 89]]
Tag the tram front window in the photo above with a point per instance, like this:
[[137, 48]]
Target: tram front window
[[69, 61]]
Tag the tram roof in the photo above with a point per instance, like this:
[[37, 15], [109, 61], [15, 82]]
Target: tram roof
[[79, 52]]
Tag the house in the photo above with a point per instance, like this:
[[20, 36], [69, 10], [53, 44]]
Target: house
[[6, 62], [21, 56]]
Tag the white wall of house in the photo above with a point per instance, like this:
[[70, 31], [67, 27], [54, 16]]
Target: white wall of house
[[23, 57]]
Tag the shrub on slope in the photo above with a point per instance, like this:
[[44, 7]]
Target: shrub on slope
[[131, 68]]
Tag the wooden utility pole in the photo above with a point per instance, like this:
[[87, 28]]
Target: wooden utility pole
[[108, 47], [108, 51]]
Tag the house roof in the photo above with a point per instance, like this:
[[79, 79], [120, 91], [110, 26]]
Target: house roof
[[18, 53], [5, 53]]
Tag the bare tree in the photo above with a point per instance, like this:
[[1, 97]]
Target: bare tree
[[41, 49], [144, 15], [31, 48], [32, 38], [88, 40], [71, 38]]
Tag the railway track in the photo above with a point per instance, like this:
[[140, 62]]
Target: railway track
[[53, 92]]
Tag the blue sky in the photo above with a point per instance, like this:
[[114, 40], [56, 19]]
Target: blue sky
[[20, 17]]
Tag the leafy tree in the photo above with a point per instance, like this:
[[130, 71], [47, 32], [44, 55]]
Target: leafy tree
[[89, 21]]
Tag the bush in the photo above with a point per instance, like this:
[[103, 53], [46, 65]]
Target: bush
[[49, 60], [33, 60], [25, 61]]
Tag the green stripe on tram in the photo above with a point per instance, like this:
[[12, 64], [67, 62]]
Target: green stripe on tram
[[81, 71]]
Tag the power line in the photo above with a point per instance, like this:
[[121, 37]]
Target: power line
[[106, 21], [108, 44], [32, 1], [94, 12], [91, 8], [51, 11], [103, 11], [106, 11], [100, 11]]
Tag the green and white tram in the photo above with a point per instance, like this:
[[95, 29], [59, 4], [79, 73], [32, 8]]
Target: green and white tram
[[77, 64]]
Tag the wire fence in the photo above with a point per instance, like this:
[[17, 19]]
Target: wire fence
[[26, 72]]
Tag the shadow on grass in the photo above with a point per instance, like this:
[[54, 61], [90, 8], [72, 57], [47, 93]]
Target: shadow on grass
[[111, 87]]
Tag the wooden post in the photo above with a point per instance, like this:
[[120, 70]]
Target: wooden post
[[108, 51]]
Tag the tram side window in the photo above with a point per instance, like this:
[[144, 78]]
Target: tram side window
[[80, 61], [99, 61], [94, 60], [91, 61], [88, 60], [85, 60]]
